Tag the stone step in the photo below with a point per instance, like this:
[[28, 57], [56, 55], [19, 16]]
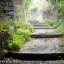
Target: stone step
[[40, 35], [44, 31], [36, 23], [39, 25], [44, 27], [36, 56]]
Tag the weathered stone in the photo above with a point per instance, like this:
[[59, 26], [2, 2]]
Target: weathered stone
[[6, 6]]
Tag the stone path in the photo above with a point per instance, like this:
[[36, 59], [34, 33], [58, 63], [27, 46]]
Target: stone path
[[40, 25], [42, 28], [44, 31], [42, 45]]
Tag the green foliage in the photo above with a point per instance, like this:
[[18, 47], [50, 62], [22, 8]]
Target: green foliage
[[18, 33], [20, 36], [52, 23], [28, 3], [25, 25], [61, 27], [60, 5], [4, 26], [13, 46], [24, 32]]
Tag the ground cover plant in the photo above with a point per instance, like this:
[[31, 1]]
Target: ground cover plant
[[52, 23], [59, 4], [18, 34]]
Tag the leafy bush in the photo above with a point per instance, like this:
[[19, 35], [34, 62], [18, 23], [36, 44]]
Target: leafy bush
[[26, 33], [4, 26], [6, 33], [61, 27], [19, 32], [25, 25], [19, 38]]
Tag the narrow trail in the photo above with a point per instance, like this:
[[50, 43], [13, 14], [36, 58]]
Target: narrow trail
[[41, 44]]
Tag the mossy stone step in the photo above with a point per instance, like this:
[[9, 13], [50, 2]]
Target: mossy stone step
[[44, 27], [33, 56], [52, 35]]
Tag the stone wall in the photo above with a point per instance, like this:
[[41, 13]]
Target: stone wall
[[7, 7]]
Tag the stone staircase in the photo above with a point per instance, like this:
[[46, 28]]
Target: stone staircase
[[39, 25], [43, 41], [44, 45], [44, 31]]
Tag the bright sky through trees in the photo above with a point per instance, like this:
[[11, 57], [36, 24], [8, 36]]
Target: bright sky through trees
[[41, 4]]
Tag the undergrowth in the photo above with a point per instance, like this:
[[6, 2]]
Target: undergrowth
[[19, 32]]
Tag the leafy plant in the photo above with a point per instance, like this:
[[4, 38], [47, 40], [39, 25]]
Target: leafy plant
[[24, 24], [4, 26], [61, 27], [19, 38], [19, 32], [52, 23]]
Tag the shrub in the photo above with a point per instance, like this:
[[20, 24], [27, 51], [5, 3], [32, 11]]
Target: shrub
[[24, 24], [26, 33], [28, 26], [4, 26], [7, 25], [13, 46], [5, 35], [19, 32], [19, 38]]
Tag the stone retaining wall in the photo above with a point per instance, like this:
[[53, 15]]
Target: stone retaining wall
[[7, 7]]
